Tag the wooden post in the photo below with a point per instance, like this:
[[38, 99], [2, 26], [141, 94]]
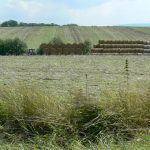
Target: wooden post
[[86, 85]]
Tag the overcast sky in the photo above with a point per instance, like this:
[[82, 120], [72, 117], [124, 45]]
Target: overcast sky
[[82, 12]]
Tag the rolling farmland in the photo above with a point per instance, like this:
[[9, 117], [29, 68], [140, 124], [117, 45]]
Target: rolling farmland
[[34, 36], [75, 75], [50, 99]]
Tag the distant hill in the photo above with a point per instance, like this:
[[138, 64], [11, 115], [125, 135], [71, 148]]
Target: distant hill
[[137, 25], [34, 36]]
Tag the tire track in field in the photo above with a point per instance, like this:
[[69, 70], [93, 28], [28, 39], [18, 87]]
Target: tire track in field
[[144, 34], [74, 34]]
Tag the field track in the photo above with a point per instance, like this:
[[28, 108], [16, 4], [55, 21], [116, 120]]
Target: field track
[[34, 36]]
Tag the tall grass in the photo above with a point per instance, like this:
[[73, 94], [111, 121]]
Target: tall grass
[[27, 112]]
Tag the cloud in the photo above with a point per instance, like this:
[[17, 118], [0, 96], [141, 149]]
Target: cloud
[[31, 8], [38, 11], [95, 12], [114, 12], [81, 3]]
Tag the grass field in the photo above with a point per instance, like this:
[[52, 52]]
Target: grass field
[[34, 36], [74, 102]]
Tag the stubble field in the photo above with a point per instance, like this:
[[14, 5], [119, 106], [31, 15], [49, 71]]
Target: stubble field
[[63, 74]]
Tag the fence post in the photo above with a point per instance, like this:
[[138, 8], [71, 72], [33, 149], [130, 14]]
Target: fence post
[[86, 85]]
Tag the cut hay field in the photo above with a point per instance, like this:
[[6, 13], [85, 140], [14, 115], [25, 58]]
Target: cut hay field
[[34, 36], [63, 74]]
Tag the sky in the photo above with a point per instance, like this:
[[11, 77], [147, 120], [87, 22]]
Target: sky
[[81, 12]]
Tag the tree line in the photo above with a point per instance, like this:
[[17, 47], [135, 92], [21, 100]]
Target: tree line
[[14, 23]]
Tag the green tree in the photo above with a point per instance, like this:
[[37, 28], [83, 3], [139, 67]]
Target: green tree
[[39, 51], [19, 47], [2, 50], [8, 47], [10, 23], [57, 41], [12, 47], [87, 47]]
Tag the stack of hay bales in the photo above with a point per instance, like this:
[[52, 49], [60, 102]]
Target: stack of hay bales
[[63, 49], [147, 48], [119, 47], [73, 49]]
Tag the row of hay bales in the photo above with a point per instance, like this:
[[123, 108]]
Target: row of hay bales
[[101, 47], [120, 47], [117, 50], [122, 42], [62, 49]]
